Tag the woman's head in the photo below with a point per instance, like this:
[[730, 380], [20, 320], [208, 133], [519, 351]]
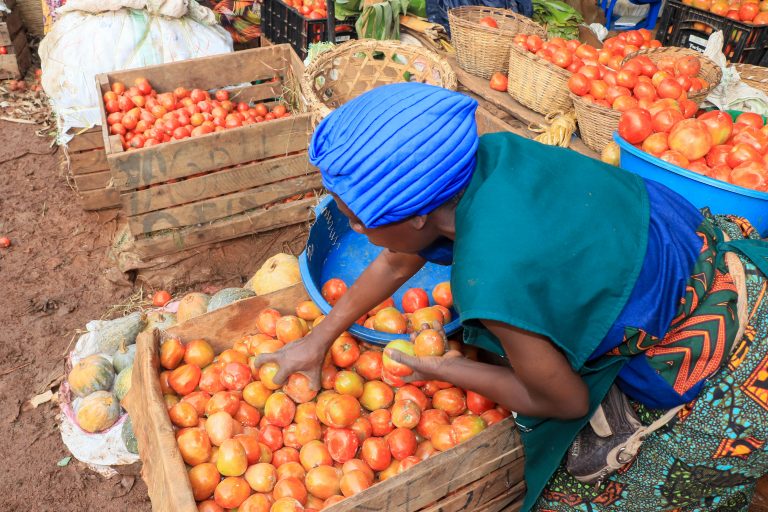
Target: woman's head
[[395, 154]]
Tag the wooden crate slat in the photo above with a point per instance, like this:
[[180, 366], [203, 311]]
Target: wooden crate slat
[[99, 199], [86, 162], [437, 476], [497, 486], [86, 140], [257, 92], [15, 65], [505, 503], [212, 72], [9, 27], [209, 210], [243, 224], [216, 184], [93, 181], [179, 159]]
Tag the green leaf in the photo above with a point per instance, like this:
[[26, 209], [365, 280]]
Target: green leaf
[[63, 462]]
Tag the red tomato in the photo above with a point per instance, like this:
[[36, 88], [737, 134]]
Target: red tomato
[[450, 400], [644, 90], [742, 153], [375, 452], [369, 365], [750, 175], [656, 143], [333, 289], [719, 124], [753, 137], [499, 82], [669, 88], [751, 119], [665, 119], [624, 103], [345, 351], [402, 443], [235, 376], [534, 43], [414, 299], [718, 155], [675, 158], [478, 404], [635, 125], [562, 57], [690, 138], [342, 443], [579, 84], [748, 11]]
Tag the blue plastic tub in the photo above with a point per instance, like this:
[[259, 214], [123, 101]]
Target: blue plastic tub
[[334, 250], [701, 191]]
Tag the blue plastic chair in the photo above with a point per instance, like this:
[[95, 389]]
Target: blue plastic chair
[[649, 22]]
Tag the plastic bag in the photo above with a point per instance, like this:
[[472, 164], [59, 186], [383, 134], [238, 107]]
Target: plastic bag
[[4, 8], [731, 93], [82, 45]]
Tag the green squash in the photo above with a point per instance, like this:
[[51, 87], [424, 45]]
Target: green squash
[[129, 438], [227, 296], [123, 383], [93, 373], [123, 358]]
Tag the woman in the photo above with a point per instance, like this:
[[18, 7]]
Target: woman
[[580, 275]]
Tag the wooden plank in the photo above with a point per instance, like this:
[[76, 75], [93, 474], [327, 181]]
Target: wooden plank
[[9, 28], [243, 224], [99, 199], [505, 102], [93, 181], [509, 502], [86, 162], [85, 140], [488, 123], [223, 325], [212, 72], [179, 159], [15, 65], [216, 184], [501, 483], [202, 212], [437, 476], [260, 92]]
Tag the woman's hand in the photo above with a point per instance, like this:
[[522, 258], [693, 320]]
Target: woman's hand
[[303, 356], [425, 367]]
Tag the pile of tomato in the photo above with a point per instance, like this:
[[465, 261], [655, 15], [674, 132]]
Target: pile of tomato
[[710, 144], [415, 306], [312, 9], [259, 447], [749, 11], [142, 117]]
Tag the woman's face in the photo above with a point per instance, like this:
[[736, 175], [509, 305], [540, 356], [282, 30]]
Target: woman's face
[[409, 236]]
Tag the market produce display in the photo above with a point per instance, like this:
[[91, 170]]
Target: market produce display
[[711, 144], [312, 9], [748, 11], [142, 117], [256, 446]]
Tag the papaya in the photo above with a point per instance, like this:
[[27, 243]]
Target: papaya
[[227, 296], [192, 305]]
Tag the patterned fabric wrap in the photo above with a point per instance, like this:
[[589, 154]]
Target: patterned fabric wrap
[[710, 457], [49, 13], [241, 18]]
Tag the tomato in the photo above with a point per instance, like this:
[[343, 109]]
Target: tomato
[[314, 454], [267, 374], [562, 58], [354, 482], [369, 365], [644, 90], [750, 175], [492, 416], [290, 328], [406, 414], [198, 400], [656, 143], [298, 388], [285, 455], [231, 459], [719, 125], [344, 351], [689, 108], [342, 444], [210, 506], [616, 91], [271, 436], [761, 18], [184, 379], [751, 119], [357, 465], [247, 415], [718, 155], [183, 414], [635, 125], [415, 298], [390, 320], [443, 437], [402, 443], [450, 400], [587, 53], [362, 427], [342, 411], [690, 138], [349, 383], [752, 136], [669, 88], [499, 82], [323, 481], [290, 487], [171, 353], [235, 376], [279, 410], [626, 78], [598, 89], [478, 404], [675, 158], [534, 43], [467, 426], [203, 479], [375, 452], [748, 11], [231, 492], [291, 469], [195, 446]]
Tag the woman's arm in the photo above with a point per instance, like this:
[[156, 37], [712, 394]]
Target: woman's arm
[[377, 282], [540, 383]]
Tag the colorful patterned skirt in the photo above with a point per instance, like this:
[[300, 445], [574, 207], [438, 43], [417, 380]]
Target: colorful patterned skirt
[[711, 456]]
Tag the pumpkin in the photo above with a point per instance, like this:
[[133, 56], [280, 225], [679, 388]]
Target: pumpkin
[[192, 305], [123, 383], [278, 272], [93, 373], [159, 320], [227, 296], [123, 358], [98, 411], [110, 334], [129, 438]]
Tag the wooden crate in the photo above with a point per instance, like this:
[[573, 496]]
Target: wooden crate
[[87, 164], [483, 474], [13, 37], [192, 192]]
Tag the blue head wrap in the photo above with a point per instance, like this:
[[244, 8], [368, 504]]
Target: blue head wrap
[[397, 151]]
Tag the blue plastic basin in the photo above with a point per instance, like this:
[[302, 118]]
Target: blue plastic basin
[[700, 190], [334, 250]]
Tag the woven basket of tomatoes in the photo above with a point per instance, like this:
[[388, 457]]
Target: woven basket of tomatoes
[[717, 159], [354, 67], [483, 37], [215, 432]]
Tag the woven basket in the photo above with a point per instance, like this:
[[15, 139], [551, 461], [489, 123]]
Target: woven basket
[[596, 123], [537, 83], [355, 67], [753, 76], [710, 71], [482, 50]]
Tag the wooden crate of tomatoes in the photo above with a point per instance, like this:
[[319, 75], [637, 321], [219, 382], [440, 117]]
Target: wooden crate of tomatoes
[[86, 162], [15, 55], [216, 433], [209, 149]]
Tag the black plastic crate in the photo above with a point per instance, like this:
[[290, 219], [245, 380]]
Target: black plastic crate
[[281, 23], [689, 27]]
